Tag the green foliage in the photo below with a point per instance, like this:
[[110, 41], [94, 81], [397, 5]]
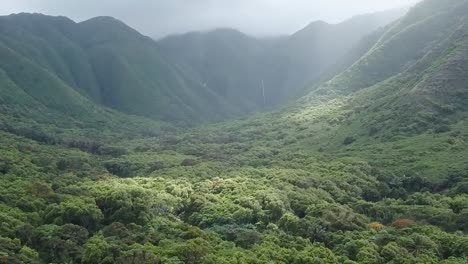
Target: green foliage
[[278, 188], [56, 66], [83, 212], [97, 250]]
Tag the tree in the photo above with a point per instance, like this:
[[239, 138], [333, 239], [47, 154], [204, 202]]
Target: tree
[[458, 203], [126, 205], [60, 243], [403, 223], [28, 255], [418, 244], [78, 211], [289, 223], [193, 251], [349, 140], [376, 226], [97, 251], [392, 253], [368, 255]]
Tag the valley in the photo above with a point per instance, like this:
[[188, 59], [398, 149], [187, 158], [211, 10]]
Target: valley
[[115, 148]]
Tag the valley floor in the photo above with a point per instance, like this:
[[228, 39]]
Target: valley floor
[[257, 191]]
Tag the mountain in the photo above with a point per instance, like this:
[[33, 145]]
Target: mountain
[[219, 75], [312, 51], [401, 105], [257, 73], [410, 80], [96, 58], [368, 167], [228, 62], [49, 89]]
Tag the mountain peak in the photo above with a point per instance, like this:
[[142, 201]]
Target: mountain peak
[[318, 23], [35, 18], [103, 19], [106, 28]]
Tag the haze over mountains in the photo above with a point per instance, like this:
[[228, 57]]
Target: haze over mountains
[[189, 78], [235, 65], [164, 17], [360, 155]]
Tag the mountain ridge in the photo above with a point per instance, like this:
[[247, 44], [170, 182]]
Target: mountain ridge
[[286, 65], [95, 57]]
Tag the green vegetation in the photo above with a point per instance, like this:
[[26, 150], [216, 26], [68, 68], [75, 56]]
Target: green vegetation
[[64, 66], [368, 168], [70, 68], [245, 196]]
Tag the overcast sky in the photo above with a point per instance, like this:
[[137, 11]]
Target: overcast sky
[[157, 18]]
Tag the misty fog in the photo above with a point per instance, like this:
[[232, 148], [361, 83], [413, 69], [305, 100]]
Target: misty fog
[[162, 17]]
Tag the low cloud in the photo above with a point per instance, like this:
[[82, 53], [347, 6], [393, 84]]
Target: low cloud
[[162, 17]]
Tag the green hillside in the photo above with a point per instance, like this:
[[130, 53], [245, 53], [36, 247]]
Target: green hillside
[[96, 58], [369, 167], [317, 48]]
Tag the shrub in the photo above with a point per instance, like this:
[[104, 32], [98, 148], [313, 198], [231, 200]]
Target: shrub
[[121, 169], [188, 162], [349, 140], [442, 129], [112, 151], [73, 163], [403, 223], [375, 226], [157, 165], [5, 165]]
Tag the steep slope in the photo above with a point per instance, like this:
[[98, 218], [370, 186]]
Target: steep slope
[[413, 72], [402, 105], [219, 75], [135, 78], [97, 58], [239, 67], [230, 63], [313, 50], [42, 73]]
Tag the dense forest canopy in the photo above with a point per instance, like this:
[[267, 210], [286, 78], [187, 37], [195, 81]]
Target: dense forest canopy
[[98, 165]]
